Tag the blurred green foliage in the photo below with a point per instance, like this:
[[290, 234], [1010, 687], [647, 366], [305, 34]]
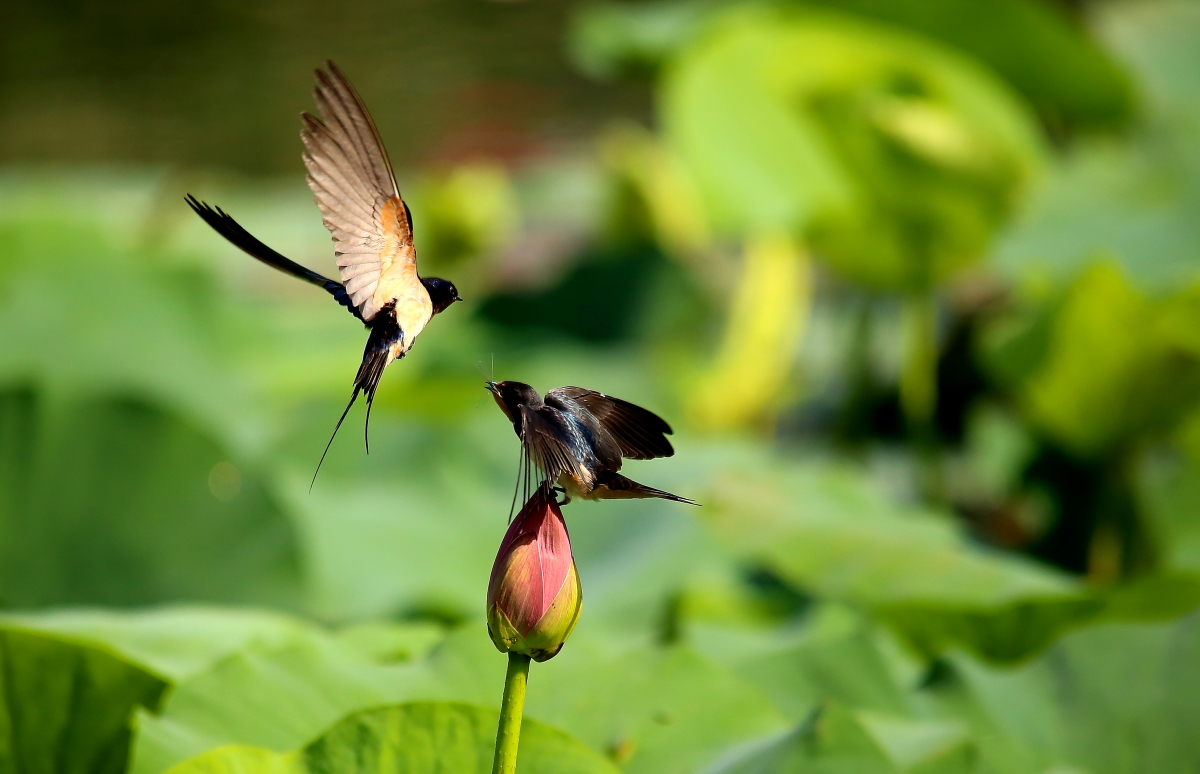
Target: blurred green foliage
[[896, 157], [916, 284], [410, 737]]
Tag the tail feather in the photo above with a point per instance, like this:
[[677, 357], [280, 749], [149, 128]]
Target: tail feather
[[370, 371], [338, 426], [384, 333], [621, 486], [248, 243]]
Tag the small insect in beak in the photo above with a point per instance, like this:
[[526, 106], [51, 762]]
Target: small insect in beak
[[492, 388]]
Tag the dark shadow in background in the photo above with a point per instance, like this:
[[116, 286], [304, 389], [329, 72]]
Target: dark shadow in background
[[220, 84]]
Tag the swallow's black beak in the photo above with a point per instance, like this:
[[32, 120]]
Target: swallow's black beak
[[457, 297], [492, 387]]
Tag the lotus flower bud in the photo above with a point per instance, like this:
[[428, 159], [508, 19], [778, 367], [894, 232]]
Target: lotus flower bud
[[534, 596]]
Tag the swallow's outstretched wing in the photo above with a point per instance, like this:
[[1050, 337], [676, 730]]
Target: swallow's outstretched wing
[[240, 237], [349, 173], [551, 444], [641, 434], [602, 449]]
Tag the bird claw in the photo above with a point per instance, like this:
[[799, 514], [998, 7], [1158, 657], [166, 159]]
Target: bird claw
[[566, 498]]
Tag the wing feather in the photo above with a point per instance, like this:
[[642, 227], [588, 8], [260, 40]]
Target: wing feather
[[339, 126], [548, 443], [342, 214], [594, 435], [342, 196], [328, 162], [331, 166], [641, 434], [350, 112], [355, 189], [355, 250], [361, 281], [357, 269]]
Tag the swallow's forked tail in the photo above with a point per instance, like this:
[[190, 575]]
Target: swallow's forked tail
[[621, 486], [244, 240], [384, 333]]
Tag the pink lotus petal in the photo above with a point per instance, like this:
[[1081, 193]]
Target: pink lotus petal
[[533, 563]]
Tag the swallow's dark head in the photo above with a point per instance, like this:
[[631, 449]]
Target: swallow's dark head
[[441, 292], [510, 396]]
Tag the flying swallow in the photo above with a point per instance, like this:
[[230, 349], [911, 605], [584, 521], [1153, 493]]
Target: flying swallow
[[355, 189], [578, 437]]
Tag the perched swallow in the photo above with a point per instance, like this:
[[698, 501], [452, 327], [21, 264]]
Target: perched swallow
[[578, 437], [355, 188]]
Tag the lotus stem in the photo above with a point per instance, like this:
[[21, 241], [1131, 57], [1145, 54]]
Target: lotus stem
[[508, 735]]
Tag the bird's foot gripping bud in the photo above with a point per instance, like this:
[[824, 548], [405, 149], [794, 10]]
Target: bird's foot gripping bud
[[534, 596]]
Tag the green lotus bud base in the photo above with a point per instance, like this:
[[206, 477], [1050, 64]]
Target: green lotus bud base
[[534, 598]]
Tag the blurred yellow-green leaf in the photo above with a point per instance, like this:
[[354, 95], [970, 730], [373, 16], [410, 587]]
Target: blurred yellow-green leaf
[[783, 115], [745, 384]]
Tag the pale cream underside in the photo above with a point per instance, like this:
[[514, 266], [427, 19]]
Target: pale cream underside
[[400, 283], [572, 485]]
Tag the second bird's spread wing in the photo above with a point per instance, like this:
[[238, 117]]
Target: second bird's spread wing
[[641, 434], [551, 444], [349, 173]]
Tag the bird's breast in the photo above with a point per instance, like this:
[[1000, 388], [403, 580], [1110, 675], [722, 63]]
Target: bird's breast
[[576, 486], [413, 310]]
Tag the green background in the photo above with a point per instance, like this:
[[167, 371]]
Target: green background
[[914, 282]]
